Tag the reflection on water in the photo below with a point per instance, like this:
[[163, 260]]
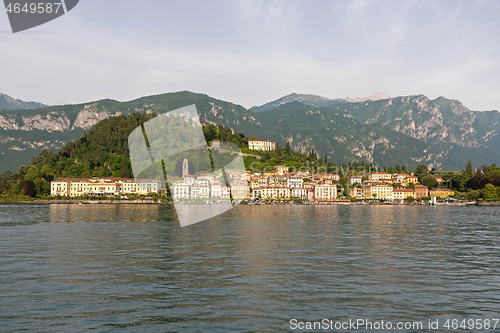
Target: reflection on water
[[102, 213], [132, 267]]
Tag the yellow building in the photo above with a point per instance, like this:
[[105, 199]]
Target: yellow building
[[254, 184], [403, 193], [103, 187], [60, 187], [78, 187], [378, 191], [410, 179], [441, 193], [75, 187], [240, 191], [275, 192], [281, 169]]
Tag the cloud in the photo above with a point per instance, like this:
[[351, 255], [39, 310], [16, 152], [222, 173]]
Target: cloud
[[274, 48]]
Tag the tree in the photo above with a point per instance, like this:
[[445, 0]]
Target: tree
[[473, 195], [468, 170], [489, 192], [420, 171], [410, 199], [429, 181], [287, 148], [29, 188]]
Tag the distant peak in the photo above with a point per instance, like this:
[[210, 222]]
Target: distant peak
[[9, 103], [373, 97]]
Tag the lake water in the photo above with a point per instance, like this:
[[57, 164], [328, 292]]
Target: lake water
[[132, 268]]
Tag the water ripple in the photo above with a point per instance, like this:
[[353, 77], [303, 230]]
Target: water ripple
[[132, 268]]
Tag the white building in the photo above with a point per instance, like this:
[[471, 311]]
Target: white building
[[263, 145], [180, 191], [299, 193], [215, 190], [225, 192], [355, 179], [294, 182], [188, 179], [379, 176], [325, 192]]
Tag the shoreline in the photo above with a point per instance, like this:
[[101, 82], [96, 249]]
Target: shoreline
[[330, 203]]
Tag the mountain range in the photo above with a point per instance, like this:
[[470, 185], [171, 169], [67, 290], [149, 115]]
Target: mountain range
[[315, 100], [9, 103], [408, 130]]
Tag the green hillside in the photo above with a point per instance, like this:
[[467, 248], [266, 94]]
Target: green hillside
[[102, 152]]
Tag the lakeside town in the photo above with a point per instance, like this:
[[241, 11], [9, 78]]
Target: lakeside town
[[278, 184], [282, 183]]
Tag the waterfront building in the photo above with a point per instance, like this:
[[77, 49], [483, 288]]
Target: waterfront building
[[225, 192], [421, 191], [275, 192], [240, 190], [180, 191], [403, 193], [104, 186], [60, 187], [441, 193], [148, 186], [325, 192], [378, 190], [78, 187], [310, 194], [268, 192], [257, 192], [298, 193], [195, 192], [215, 190]]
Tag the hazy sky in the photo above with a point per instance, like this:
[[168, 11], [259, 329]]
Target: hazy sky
[[251, 52]]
